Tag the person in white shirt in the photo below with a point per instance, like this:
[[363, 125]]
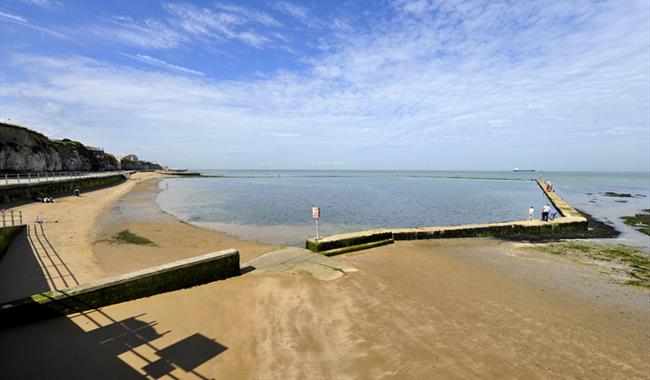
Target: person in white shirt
[[531, 213], [545, 211]]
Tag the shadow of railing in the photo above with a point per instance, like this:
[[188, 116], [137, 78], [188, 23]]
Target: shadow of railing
[[47, 252], [63, 347]]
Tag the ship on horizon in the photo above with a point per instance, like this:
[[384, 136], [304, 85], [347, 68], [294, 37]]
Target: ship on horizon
[[523, 170]]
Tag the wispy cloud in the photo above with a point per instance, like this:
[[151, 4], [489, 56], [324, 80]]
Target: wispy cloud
[[188, 24], [149, 33], [225, 26], [13, 17], [45, 3], [19, 20], [160, 63], [298, 12], [250, 14]]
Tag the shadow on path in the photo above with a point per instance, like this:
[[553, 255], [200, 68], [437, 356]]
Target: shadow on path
[[59, 347], [55, 269], [32, 265], [21, 274]]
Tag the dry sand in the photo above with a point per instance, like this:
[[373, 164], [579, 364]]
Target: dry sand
[[58, 252], [73, 244], [467, 308]]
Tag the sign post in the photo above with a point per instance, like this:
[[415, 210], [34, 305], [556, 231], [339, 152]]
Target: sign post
[[315, 213]]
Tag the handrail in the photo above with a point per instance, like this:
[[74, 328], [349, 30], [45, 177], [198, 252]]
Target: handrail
[[7, 179], [11, 218]]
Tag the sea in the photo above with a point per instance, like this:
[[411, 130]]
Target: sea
[[275, 206]]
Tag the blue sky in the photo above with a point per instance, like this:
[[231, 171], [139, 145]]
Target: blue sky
[[552, 85]]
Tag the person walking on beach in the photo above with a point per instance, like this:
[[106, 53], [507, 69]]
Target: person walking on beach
[[545, 211], [531, 213]]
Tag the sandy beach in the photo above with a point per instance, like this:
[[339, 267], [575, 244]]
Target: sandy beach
[[74, 241], [138, 212], [466, 308]]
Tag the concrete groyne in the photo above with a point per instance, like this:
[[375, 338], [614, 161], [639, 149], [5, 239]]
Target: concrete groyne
[[567, 225], [562, 206], [143, 283], [28, 191]]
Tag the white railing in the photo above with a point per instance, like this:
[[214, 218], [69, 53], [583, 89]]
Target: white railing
[[30, 178], [12, 218]]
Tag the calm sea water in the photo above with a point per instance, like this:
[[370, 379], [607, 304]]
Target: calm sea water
[[275, 206]]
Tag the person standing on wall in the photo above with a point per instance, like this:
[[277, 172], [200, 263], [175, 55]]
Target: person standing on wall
[[545, 211], [531, 213]]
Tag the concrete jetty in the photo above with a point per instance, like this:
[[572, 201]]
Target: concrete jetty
[[569, 222]]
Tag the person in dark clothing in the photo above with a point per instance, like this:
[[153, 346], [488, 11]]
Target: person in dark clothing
[[546, 210]]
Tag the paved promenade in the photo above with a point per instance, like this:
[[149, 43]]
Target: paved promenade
[[29, 179]]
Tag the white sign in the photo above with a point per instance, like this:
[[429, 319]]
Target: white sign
[[315, 212]]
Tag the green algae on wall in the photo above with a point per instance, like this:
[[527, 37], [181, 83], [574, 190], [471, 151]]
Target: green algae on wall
[[337, 244]]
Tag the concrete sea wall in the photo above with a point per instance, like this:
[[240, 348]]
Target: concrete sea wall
[[21, 192], [566, 226], [164, 278]]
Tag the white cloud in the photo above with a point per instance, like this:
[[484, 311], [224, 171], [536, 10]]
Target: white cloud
[[161, 63], [45, 3], [19, 20], [189, 24], [13, 17], [250, 14], [413, 6], [149, 34], [298, 12], [252, 39], [284, 134], [330, 163], [494, 80]]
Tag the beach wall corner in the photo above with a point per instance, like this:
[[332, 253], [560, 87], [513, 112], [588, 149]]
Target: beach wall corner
[[143, 283]]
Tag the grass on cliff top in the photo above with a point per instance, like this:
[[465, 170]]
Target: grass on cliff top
[[128, 237], [640, 222], [632, 264]]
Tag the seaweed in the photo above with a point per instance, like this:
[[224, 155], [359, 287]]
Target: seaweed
[[635, 263], [128, 237], [640, 222]]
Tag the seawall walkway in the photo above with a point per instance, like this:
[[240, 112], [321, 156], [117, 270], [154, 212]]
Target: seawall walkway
[[12, 190], [35, 179]]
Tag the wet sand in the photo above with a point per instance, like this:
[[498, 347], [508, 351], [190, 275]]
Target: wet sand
[[467, 308], [138, 212]]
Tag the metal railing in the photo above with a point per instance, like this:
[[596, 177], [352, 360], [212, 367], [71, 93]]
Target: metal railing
[[38, 177], [12, 218]]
